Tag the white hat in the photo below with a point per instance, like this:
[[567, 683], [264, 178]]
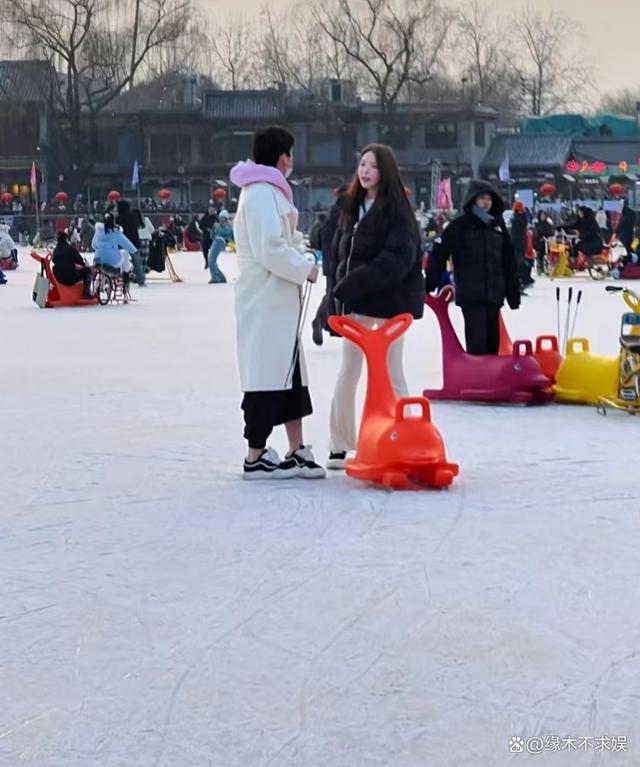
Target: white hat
[[223, 214]]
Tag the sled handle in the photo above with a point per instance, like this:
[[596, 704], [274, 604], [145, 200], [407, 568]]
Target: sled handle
[[404, 402], [346, 327], [395, 327], [551, 340], [522, 349], [446, 293], [577, 346]]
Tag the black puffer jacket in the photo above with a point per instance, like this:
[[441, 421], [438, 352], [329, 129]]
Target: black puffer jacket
[[129, 223], [590, 242], [65, 258], [378, 267], [484, 264]]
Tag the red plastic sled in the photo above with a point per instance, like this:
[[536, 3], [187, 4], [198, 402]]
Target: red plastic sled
[[630, 272], [188, 244], [515, 378], [59, 294], [394, 449]]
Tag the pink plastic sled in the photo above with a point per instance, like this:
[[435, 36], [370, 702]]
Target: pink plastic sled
[[516, 378]]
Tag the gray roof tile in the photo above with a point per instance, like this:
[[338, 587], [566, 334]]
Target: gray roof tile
[[528, 151]]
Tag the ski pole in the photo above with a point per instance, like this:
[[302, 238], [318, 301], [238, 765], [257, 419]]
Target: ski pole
[[566, 324], [558, 313], [575, 314]]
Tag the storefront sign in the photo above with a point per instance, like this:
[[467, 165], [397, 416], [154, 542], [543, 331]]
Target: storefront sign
[[599, 168]]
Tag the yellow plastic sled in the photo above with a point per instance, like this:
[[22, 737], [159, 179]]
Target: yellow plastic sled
[[584, 377]]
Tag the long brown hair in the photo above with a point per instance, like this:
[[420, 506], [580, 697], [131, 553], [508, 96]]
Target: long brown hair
[[391, 199]]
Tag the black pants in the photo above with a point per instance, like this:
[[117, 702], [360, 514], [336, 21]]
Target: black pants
[[265, 409], [206, 246], [481, 328]]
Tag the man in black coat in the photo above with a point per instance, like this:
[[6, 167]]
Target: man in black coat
[[206, 225], [129, 223], [484, 266], [626, 226]]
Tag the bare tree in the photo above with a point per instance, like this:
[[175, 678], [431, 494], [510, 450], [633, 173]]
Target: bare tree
[[623, 102], [481, 47], [393, 44], [232, 44], [553, 75], [97, 46]]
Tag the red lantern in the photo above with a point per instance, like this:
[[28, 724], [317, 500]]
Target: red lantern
[[61, 197], [547, 190], [573, 166], [616, 189], [164, 194], [219, 194], [114, 196], [6, 198]]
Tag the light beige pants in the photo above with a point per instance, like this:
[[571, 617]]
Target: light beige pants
[[344, 435]]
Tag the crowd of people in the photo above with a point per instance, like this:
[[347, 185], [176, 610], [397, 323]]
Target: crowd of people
[[378, 261]]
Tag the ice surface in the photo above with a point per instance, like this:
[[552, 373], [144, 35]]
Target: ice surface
[[156, 611]]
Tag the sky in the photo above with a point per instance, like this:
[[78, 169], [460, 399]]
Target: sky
[[608, 42]]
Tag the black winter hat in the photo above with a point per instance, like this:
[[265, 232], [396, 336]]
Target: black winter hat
[[476, 188]]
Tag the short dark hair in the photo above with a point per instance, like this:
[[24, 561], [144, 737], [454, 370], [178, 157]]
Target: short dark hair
[[270, 143]]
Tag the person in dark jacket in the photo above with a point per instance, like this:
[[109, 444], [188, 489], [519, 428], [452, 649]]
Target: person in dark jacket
[[376, 273], [543, 229], [69, 267], [327, 233], [589, 238], [207, 222], [626, 226], [519, 230], [129, 223], [484, 266]]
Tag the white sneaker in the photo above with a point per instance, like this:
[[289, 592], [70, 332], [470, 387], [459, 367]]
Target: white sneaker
[[309, 469], [337, 460], [269, 466]]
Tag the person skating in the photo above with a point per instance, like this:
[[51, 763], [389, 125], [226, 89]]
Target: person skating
[[222, 235], [269, 307], [484, 266], [377, 274], [206, 224]]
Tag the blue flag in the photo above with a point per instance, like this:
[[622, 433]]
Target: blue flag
[[135, 178], [504, 173]]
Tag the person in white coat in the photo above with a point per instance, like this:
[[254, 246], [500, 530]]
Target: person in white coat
[[269, 309]]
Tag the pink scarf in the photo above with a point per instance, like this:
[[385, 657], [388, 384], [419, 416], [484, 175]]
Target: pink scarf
[[245, 173]]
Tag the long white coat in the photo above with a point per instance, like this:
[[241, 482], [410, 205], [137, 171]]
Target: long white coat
[[268, 293]]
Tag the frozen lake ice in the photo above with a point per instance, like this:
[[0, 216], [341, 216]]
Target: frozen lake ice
[[156, 611]]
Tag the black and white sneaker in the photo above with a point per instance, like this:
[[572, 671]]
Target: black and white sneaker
[[337, 460], [269, 466], [305, 461]]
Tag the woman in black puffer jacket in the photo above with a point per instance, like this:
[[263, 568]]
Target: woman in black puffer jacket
[[377, 274], [484, 266]]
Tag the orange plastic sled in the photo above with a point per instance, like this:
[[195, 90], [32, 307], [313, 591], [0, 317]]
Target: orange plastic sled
[[59, 294], [394, 449], [546, 351]]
